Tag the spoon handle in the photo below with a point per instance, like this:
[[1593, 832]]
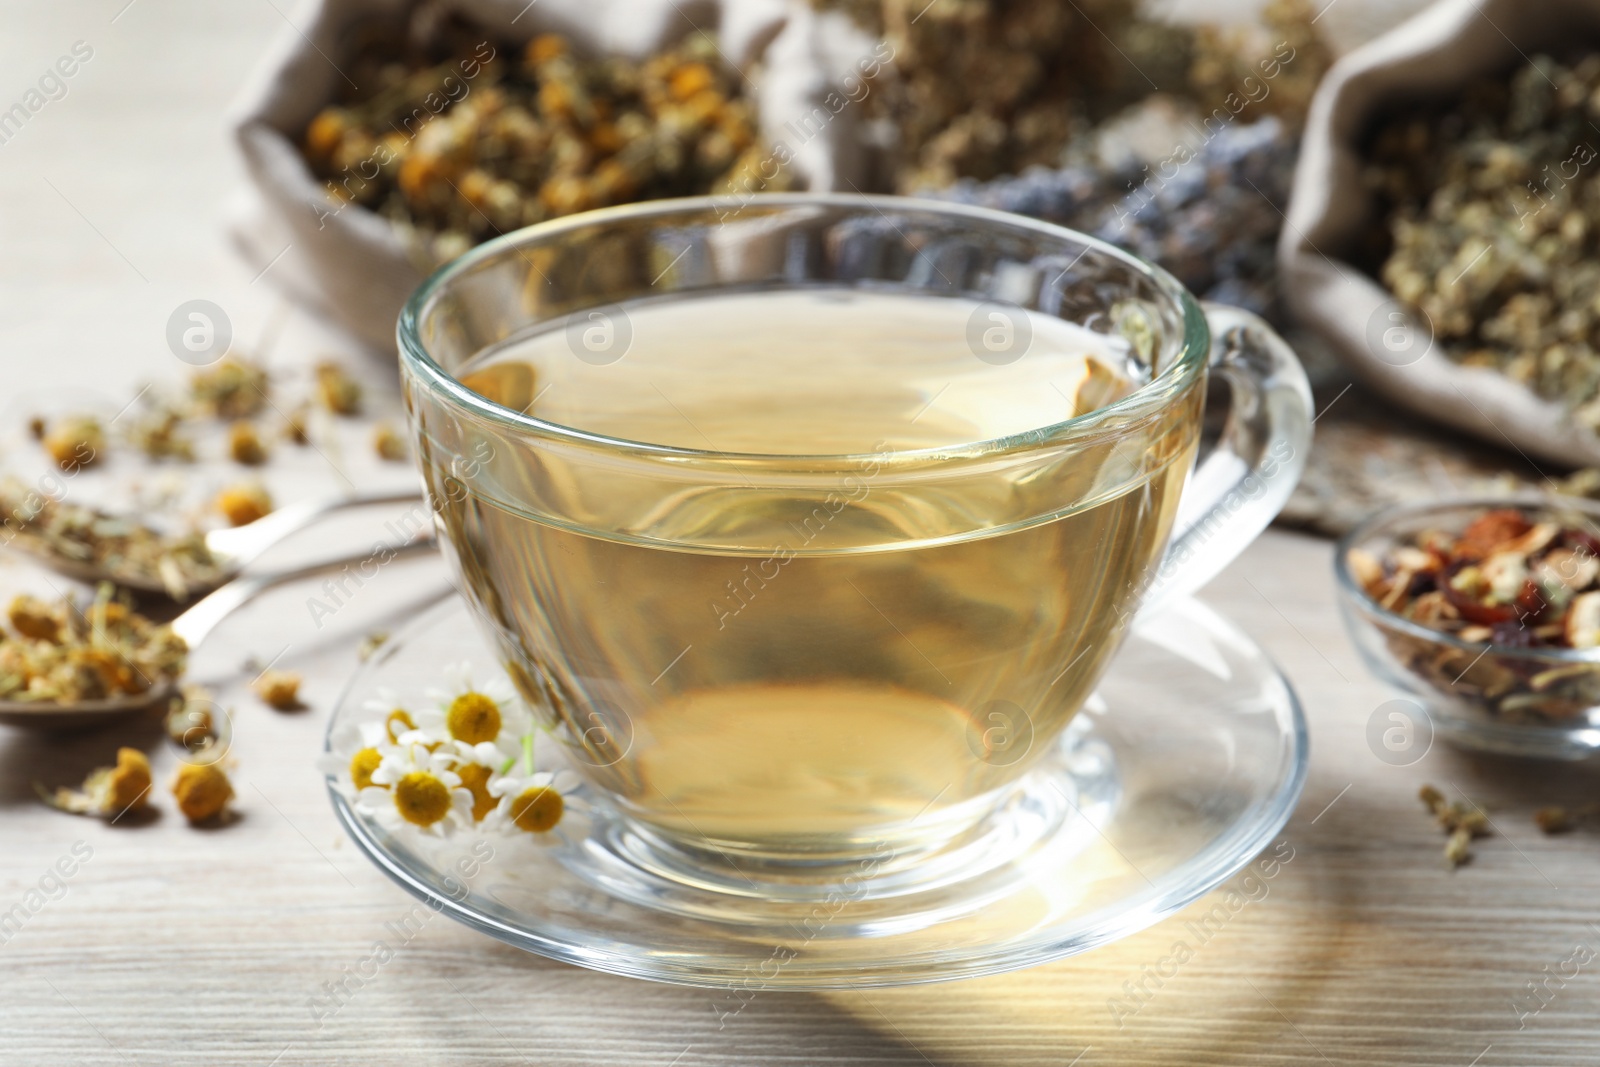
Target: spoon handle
[[243, 544], [201, 618]]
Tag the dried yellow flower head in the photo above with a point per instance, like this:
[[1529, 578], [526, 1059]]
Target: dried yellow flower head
[[232, 389], [294, 427], [278, 689], [75, 442], [338, 392], [68, 653], [387, 442], [33, 618], [128, 783], [112, 791], [190, 724], [245, 445], [202, 790], [1553, 820], [244, 503]]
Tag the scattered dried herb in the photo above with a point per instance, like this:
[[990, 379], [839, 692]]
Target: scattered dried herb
[[245, 445], [1488, 205], [120, 547], [158, 434], [244, 503], [60, 653], [1508, 578], [108, 791], [1461, 821], [370, 643], [1553, 820], [1514, 580], [983, 88], [278, 689], [457, 137], [388, 443], [191, 725], [294, 427], [233, 388], [74, 442], [336, 390], [202, 791]]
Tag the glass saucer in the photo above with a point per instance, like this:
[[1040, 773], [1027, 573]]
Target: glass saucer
[[1183, 765]]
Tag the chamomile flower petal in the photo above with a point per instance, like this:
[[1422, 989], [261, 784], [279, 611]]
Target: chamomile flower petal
[[354, 752], [373, 798], [477, 712], [395, 717], [534, 803], [486, 753]]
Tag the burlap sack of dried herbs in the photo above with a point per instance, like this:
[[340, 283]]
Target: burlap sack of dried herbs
[[383, 137], [1444, 228]]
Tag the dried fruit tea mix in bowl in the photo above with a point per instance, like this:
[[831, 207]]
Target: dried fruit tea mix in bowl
[[1488, 613]]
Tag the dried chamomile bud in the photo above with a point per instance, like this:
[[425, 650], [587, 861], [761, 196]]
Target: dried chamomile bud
[[67, 653], [75, 442], [244, 503], [202, 791], [233, 388], [245, 445], [33, 618], [388, 443], [336, 390], [278, 689], [109, 791]]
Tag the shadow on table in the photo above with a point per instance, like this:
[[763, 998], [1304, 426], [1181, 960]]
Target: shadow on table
[[66, 758]]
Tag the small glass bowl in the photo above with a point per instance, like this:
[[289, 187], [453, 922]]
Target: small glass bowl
[[1542, 702]]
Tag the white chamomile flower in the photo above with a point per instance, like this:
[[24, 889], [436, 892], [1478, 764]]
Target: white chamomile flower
[[478, 713], [392, 711], [534, 802], [355, 751], [415, 786]]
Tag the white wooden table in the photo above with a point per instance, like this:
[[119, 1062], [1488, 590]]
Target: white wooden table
[[170, 945]]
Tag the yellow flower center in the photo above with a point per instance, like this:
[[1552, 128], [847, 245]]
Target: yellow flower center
[[399, 722], [129, 782], [473, 718], [362, 764], [475, 779], [202, 791], [538, 809], [421, 798]]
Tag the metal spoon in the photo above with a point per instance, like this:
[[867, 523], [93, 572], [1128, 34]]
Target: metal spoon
[[232, 549], [193, 626]]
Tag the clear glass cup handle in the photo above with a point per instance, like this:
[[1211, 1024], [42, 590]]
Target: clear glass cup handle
[[1244, 481]]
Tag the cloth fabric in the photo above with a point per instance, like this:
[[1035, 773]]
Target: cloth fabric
[[1429, 57], [350, 265]]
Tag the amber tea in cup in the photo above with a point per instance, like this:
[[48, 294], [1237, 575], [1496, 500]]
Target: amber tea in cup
[[810, 529]]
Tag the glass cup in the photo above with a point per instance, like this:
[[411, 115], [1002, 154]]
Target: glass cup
[[859, 646]]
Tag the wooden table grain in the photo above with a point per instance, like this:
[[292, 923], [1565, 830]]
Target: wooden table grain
[[168, 945]]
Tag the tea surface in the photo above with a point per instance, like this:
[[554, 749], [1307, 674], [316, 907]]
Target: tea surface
[[816, 371]]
